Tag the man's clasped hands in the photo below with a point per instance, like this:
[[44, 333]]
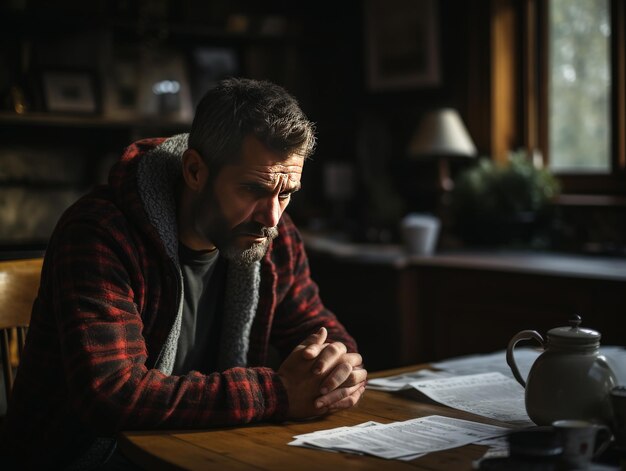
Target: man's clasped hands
[[321, 377]]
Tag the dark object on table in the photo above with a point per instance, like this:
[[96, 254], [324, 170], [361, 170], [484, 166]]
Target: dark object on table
[[536, 449], [618, 403]]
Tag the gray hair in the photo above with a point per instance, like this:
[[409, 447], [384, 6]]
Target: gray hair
[[239, 107]]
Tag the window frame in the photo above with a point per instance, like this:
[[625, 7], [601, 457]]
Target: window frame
[[536, 104]]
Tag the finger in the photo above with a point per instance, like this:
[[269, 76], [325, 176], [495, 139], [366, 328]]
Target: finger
[[318, 337], [337, 395], [336, 377], [313, 350], [328, 357], [349, 401], [356, 376], [353, 359]]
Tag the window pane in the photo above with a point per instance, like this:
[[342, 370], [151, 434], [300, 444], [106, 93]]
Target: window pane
[[579, 86]]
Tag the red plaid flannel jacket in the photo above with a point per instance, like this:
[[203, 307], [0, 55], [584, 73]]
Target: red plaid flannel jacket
[[106, 304]]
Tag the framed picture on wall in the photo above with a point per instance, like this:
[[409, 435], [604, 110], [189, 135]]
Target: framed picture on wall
[[120, 82], [402, 44], [70, 91]]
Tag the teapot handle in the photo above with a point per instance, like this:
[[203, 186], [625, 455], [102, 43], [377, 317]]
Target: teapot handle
[[604, 438], [523, 335]]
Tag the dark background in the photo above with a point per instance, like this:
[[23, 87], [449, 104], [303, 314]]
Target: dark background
[[318, 54], [318, 51]]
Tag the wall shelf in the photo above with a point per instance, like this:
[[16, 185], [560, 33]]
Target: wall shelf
[[53, 22], [48, 119], [590, 200]]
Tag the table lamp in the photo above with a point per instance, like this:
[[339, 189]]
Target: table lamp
[[442, 135]]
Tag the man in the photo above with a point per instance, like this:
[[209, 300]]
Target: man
[[163, 292]]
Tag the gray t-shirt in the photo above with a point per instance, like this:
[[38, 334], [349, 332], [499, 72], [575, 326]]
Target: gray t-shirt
[[203, 278]]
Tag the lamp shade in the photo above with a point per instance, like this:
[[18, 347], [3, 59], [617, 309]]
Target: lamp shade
[[441, 133]]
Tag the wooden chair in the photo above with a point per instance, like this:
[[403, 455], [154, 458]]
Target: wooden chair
[[19, 282]]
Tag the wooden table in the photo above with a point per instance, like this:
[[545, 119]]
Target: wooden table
[[264, 446]]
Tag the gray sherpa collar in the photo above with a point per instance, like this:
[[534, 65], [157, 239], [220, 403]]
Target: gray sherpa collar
[[158, 174]]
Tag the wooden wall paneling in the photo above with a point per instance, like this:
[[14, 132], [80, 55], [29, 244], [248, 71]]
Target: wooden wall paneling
[[494, 105], [365, 299], [528, 35], [470, 311], [411, 328], [479, 113], [504, 70], [418, 313]]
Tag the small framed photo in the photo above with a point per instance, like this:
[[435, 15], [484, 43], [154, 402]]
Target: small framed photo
[[402, 44], [120, 82], [70, 91]]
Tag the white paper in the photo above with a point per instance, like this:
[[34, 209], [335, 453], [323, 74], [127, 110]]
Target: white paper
[[491, 395], [403, 381], [300, 440], [490, 363], [524, 359], [408, 439]]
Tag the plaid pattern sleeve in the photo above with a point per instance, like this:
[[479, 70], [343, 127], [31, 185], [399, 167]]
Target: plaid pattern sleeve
[[299, 311], [98, 292]]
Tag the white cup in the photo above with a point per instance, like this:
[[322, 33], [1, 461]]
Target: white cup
[[579, 441], [420, 233]]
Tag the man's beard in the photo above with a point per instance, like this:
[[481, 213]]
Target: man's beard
[[256, 251], [217, 230]]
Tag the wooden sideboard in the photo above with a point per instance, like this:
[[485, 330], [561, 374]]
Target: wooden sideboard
[[404, 310]]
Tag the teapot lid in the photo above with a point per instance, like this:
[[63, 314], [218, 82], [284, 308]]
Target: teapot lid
[[574, 336]]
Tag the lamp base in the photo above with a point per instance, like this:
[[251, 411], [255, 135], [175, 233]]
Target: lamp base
[[445, 183]]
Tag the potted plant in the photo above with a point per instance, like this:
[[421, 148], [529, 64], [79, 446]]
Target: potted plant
[[495, 204]]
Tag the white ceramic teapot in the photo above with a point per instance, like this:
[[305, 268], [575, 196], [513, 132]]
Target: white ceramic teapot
[[570, 379]]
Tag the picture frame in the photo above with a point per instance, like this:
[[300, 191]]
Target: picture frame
[[121, 83], [402, 44], [70, 91]]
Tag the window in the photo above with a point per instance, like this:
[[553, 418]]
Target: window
[[579, 86], [581, 106]]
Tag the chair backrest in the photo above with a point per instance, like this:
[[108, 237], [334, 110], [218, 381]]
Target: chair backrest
[[19, 283]]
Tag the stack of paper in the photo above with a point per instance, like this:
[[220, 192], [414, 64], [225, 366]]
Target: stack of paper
[[524, 358], [401, 440], [403, 381], [490, 363], [465, 365], [491, 395]]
